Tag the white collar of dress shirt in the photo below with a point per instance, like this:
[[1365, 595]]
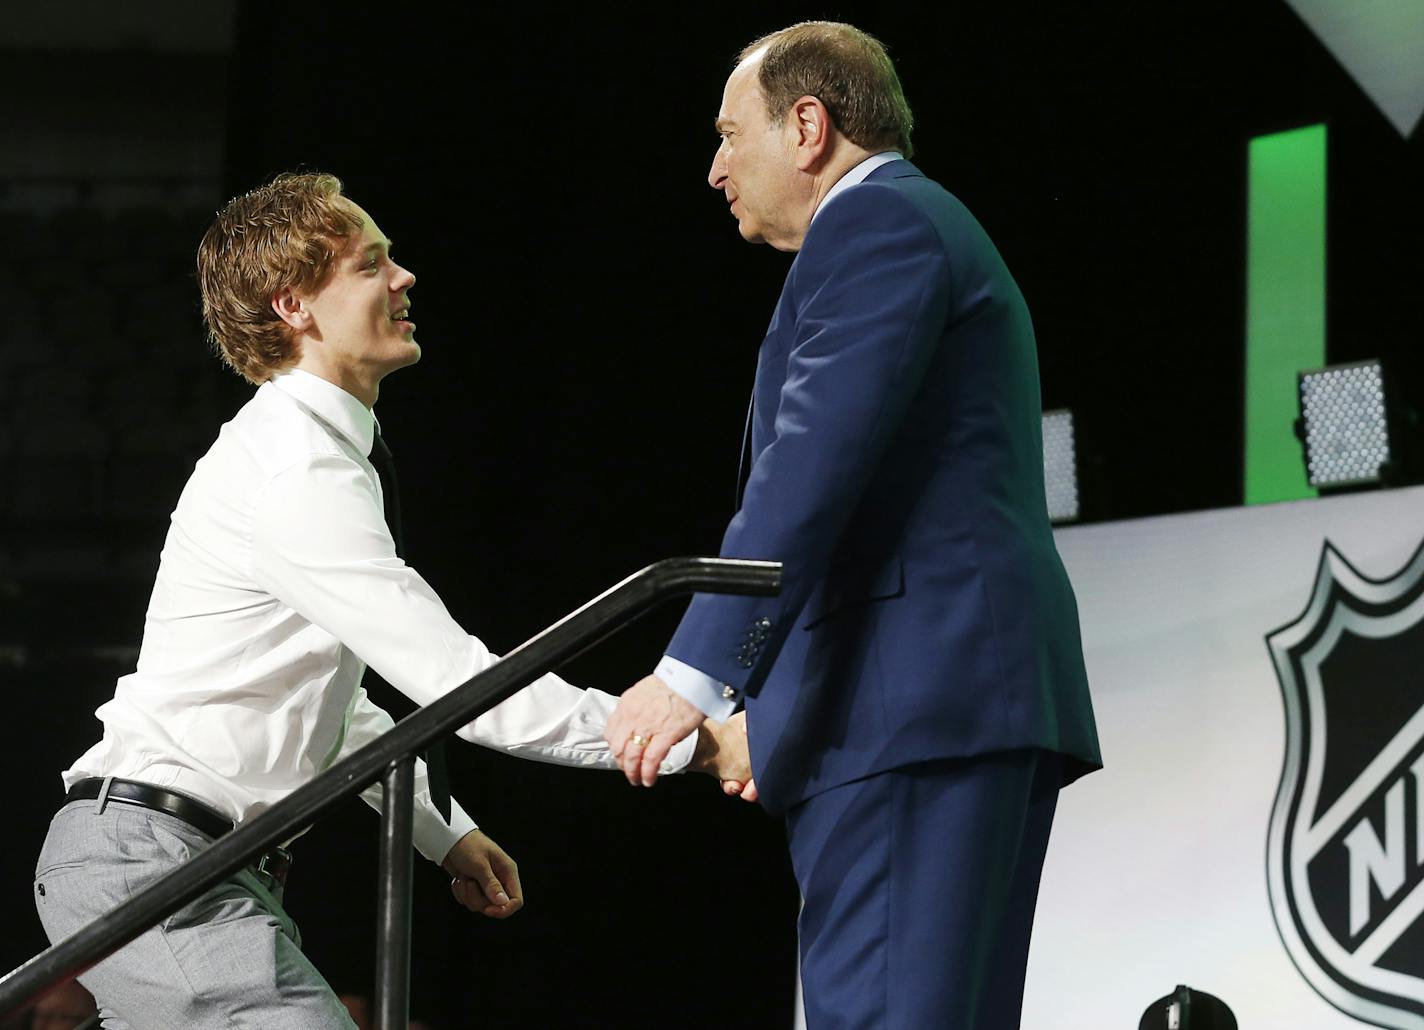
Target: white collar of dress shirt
[[857, 175], [334, 405]]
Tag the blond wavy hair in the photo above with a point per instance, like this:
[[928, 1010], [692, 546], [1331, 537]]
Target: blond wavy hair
[[285, 234]]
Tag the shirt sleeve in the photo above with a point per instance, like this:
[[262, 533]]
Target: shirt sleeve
[[696, 687], [321, 546], [432, 836]]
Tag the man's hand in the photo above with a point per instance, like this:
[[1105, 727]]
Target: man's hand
[[483, 878], [648, 721], [722, 752]]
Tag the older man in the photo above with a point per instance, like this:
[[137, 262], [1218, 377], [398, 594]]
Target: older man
[[916, 696]]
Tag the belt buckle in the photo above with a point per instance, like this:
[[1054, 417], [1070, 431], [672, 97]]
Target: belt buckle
[[275, 865]]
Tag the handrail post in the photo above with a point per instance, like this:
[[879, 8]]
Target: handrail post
[[394, 897]]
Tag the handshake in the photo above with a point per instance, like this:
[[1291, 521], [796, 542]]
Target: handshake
[[651, 718], [648, 720]]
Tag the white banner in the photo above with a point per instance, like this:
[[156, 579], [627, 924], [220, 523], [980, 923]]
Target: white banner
[[1212, 640]]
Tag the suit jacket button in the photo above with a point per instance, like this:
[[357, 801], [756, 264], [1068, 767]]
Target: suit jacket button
[[745, 662], [763, 623]]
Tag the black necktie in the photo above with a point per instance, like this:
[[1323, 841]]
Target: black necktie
[[390, 492]]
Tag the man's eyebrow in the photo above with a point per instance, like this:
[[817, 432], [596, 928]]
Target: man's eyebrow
[[378, 245], [723, 124]]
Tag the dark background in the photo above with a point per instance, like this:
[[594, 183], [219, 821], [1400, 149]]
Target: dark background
[[589, 318]]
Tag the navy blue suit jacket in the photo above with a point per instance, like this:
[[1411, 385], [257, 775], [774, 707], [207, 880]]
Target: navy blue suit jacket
[[897, 472]]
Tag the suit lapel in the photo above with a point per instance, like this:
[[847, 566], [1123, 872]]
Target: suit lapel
[[756, 432]]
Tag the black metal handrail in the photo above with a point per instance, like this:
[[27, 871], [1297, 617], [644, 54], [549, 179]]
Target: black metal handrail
[[391, 759]]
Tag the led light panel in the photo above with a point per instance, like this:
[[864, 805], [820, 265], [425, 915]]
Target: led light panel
[[1060, 465], [1342, 413]]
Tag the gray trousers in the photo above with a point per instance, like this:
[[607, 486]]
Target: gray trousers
[[232, 959]]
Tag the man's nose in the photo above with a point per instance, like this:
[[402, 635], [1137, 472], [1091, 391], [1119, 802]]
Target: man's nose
[[717, 175], [404, 279]]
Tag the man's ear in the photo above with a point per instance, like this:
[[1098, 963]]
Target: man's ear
[[290, 309], [813, 127]]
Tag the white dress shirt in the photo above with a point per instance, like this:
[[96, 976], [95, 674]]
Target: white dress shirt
[[712, 696], [277, 586]]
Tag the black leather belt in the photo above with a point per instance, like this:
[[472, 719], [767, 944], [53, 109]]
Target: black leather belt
[[146, 795], [273, 865]]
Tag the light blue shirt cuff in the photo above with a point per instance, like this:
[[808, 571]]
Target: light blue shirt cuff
[[717, 700]]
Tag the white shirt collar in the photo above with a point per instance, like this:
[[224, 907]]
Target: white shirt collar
[[341, 410], [857, 175]]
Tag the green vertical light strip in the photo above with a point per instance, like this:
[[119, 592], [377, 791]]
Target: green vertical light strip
[[1285, 303]]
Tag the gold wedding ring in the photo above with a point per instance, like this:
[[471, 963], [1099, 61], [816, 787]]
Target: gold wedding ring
[[638, 739]]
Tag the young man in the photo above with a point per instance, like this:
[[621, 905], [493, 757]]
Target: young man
[[280, 582], [915, 695]]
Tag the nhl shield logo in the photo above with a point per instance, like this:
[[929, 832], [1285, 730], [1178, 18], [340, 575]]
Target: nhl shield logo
[[1345, 855]]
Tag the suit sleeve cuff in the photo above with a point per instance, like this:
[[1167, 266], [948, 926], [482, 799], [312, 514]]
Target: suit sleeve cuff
[[715, 699]]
